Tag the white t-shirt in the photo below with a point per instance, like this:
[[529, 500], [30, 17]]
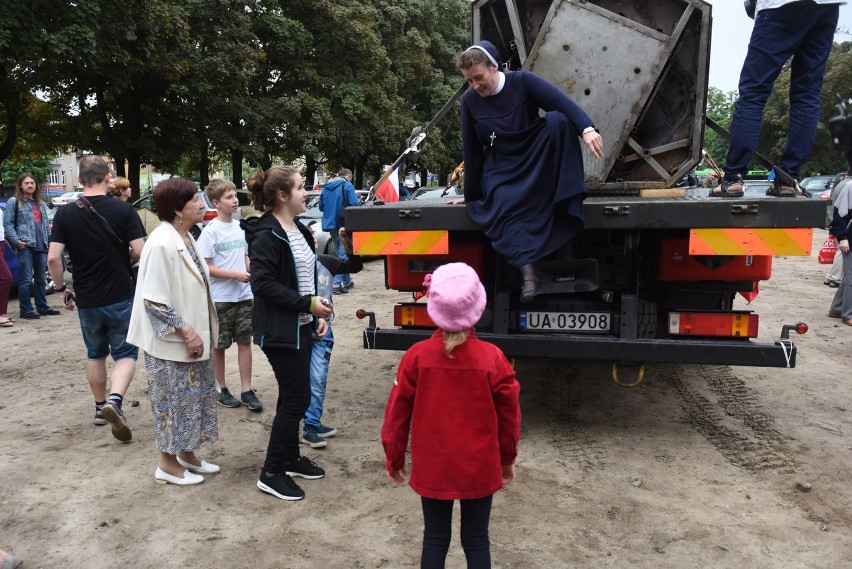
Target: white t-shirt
[[770, 4], [225, 244]]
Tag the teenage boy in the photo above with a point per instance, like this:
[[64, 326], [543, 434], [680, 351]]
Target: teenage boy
[[223, 244]]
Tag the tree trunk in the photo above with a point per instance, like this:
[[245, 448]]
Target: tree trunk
[[133, 163], [204, 165], [120, 166], [237, 166]]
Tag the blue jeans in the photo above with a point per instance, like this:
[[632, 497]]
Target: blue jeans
[[801, 30], [105, 331], [32, 266], [340, 252], [437, 531], [320, 359]]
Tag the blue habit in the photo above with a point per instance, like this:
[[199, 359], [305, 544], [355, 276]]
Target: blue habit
[[523, 173]]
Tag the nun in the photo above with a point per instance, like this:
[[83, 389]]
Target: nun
[[523, 172]]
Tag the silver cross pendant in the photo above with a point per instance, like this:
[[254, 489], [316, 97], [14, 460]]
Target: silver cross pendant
[[492, 137]]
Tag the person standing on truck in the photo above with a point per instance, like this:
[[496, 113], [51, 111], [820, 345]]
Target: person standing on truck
[[523, 173], [338, 194], [456, 379], [803, 30]]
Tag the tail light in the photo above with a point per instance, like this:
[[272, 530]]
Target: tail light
[[717, 324], [412, 315], [210, 215]]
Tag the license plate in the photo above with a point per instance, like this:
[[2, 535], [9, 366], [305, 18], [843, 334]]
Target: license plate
[[565, 321]]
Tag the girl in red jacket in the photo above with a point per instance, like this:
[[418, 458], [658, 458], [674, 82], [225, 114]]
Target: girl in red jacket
[[465, 420]]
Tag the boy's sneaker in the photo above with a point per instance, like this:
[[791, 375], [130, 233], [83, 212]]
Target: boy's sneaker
[[311, 438], [339, 289], [349, 285], [325, 431], [280, 486], [99, 418], [251, 400], [305, 468], [227, 400], [112, 413]]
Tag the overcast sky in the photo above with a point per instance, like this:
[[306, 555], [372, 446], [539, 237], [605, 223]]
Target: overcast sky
[[731, 32]]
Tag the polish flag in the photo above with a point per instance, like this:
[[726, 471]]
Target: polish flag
[[389, 190], [316, 181]]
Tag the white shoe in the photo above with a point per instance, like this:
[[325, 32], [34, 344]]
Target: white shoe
[[188, 479], [205, 468]]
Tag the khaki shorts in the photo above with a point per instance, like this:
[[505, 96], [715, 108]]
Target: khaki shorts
[[234, 323]]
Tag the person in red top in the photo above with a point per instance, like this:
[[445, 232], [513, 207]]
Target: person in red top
[[465, 420]]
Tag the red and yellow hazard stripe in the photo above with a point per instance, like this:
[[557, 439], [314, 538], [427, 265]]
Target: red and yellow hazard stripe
[[401, 242], [736, 241]]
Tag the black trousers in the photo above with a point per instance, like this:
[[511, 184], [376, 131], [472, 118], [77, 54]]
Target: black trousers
[[437, 531], [292, 370]]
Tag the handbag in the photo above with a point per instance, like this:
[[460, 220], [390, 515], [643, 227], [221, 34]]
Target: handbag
[[827, 251]]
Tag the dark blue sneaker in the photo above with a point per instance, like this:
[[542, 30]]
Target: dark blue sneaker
[[228, 400], [325, 431], [311, 438], [339, 289]]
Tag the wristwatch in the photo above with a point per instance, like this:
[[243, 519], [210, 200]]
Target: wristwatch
[[61, 289]]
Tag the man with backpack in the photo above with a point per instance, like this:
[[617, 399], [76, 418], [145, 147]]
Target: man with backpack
[[337, 194], [100, 232]]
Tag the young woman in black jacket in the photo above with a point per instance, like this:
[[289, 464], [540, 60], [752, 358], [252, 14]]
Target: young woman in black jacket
[[287, 313]]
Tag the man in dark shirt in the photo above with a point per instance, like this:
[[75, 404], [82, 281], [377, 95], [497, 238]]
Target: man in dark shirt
[[99, 232]]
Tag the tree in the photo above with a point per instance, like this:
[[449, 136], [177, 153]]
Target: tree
[[720, 108], [37, 166]]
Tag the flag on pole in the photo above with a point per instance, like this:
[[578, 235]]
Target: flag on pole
[[316, 180], [388, 191]]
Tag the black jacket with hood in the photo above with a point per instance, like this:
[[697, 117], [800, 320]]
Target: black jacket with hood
[[275, 284]]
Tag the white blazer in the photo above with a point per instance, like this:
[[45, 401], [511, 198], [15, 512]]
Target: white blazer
[[168, 275]]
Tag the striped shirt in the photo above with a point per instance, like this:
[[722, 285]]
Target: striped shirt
[[306, 261]]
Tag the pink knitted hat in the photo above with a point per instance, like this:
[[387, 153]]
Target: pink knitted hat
[[456, 297]]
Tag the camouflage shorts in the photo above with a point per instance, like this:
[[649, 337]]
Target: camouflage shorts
[[234, 323]]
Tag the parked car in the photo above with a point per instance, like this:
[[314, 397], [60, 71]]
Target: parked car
[[312, 218], [145, 207], [754, 189], [66, 198], [816, 184], [435, 192]]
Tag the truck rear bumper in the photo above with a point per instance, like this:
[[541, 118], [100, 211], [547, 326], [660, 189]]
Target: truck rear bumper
[[696, 351]]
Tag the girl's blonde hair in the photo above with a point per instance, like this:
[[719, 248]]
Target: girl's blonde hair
[[453, 340]]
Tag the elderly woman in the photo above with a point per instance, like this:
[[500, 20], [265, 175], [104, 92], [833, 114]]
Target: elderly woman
[[174, 322], [523, 173], [120, 188], [27, 231]]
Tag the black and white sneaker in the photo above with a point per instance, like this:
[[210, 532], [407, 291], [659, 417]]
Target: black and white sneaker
[[304, 468], [280, 486]]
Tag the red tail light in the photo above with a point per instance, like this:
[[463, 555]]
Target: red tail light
[[718, 324], [210, 215], [412, 315]]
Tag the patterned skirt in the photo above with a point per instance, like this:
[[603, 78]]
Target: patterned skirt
[[183, 402]]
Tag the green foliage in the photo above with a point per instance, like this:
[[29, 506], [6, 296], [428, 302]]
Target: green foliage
[[178, 83], [38, 166], [720, 108]]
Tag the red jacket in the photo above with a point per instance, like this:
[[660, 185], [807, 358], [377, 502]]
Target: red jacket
[[463, 414]]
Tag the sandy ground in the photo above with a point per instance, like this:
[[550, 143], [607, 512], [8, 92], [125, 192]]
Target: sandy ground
[[696, 467]]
